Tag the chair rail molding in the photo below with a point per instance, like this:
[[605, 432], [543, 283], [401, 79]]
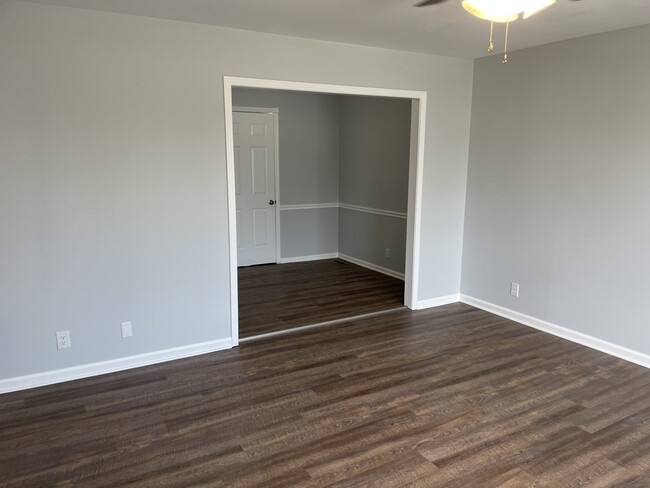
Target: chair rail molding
[[377, 211]]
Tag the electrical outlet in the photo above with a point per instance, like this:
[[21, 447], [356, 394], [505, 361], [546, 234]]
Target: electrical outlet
[[127, 329], [63, 339], [514, 289], [388, 253]]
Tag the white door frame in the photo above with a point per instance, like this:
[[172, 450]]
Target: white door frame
[[416, 166], [275, 111]]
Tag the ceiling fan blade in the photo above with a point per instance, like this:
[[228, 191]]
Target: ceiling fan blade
[[426, 3]]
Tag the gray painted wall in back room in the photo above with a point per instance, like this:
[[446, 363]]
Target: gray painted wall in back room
[[366, 236], [311, 232], [309, 166], [558, 189], [113, 202], [374, 155], [309, 142], [374, 169]]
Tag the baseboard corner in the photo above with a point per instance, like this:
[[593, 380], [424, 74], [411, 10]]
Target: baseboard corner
[[304, 259], [373, 267]]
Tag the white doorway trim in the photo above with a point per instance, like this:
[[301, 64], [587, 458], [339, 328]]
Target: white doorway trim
[[275, 111], [416, 166]]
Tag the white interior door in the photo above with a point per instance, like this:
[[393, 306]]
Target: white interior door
[[254, 151]]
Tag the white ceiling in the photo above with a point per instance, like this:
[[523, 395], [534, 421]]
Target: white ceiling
[[444, 29]]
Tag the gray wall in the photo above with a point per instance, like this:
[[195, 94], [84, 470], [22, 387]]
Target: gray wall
[[374, 169], [310, 232], [559, 185], [309, 166], [374, 154], [366, 236], [113, 173]]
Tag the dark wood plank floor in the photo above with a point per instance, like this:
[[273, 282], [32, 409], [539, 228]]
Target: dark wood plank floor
[[285, 296], [449, 397]]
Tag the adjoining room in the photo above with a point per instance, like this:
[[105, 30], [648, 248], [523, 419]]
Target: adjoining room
[[327, 240]]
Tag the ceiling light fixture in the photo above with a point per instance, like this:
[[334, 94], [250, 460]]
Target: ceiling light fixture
[[504, 11]]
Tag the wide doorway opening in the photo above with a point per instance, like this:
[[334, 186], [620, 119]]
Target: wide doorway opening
[[324, 197]]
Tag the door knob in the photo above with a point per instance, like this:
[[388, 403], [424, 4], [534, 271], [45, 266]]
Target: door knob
[[271, 202]]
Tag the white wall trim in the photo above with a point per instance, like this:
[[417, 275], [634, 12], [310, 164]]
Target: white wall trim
[[437, 302], [414, 209], [256, 110], [111, 366], [313, 257], [559, 331], [347, 206], [276, 142], [374, 267], [378, 211], [232, 214], [350, 259], [322, 88], [309, 206], [416, 169]]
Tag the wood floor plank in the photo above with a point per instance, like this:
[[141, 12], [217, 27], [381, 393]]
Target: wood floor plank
[[278, 297], [448, 397]]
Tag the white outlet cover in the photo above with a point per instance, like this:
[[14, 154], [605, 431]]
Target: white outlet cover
[[63, 339], [514, 289]]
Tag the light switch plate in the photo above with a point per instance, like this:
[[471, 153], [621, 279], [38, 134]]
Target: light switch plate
[[127, 329]]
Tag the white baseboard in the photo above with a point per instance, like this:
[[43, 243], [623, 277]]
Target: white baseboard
[[303, 259], [437, 302], [374, 267], [334, 255], [559, 331], [112, 366]]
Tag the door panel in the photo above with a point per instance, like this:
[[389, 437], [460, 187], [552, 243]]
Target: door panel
[[237, 172], [240, 228], [260, 230], [260, 170], [254, 150], [258, 130]]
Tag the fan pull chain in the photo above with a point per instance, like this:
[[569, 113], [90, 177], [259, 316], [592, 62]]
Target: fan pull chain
[[491, 45], [505, 50]]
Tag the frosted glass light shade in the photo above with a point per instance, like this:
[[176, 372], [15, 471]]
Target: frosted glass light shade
[[505, 10]]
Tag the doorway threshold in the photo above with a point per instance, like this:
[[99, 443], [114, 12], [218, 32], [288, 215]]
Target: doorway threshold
[[320, 324]]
